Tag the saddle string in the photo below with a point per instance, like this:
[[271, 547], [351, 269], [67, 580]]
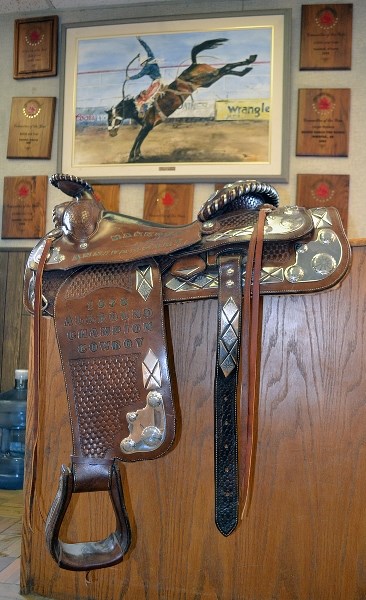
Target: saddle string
[[36, 376], [248, 379]]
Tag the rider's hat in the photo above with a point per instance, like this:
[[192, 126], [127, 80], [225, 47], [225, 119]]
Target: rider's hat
[[144, 58]]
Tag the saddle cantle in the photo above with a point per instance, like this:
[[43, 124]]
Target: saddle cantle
[[104, 279]]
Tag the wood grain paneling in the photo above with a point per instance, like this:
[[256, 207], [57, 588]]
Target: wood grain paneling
[[304, 534], [14, 321]]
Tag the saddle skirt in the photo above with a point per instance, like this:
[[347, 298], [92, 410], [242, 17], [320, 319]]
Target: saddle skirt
[[104, 278]]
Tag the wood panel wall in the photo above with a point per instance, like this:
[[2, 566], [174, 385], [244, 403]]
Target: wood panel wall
[[304, 535], [14, 321]]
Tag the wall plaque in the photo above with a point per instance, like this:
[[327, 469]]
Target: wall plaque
[[324, 190], [108, 195], [24, 207], [31, 127], [169, 203], [326, 36], [35, 47], [323, 122]]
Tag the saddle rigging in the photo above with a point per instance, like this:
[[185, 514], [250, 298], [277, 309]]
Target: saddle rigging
[[105, 278]]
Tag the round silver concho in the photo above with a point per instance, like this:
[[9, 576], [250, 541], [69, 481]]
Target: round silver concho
[[127, 445], [326, 236], [131, 417], [154, 399], [294, 274], [323, 263], [151, 436]]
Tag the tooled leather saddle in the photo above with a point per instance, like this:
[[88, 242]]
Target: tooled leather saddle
[[104, 278]]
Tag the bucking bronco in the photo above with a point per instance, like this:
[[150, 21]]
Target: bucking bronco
[[171, 97]]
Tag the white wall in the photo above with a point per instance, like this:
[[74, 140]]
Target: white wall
[[132, 194]]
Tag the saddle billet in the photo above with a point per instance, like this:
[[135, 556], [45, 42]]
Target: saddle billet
[[104, 278]]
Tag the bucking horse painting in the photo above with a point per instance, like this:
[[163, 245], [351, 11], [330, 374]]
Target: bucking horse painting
[[172, 96]]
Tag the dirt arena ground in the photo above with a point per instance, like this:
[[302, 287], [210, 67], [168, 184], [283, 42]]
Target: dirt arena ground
[[212, 141]]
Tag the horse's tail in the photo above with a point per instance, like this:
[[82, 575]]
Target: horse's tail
[[207, 45]]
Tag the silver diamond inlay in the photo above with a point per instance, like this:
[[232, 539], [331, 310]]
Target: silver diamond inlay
[[151, 371], [144, 281], [228, 343]]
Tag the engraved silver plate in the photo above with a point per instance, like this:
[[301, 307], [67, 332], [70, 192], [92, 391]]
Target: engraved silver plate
[[271, 275], [200, 282], [229, 333], [144, 281], [318, 259], [278, 223], [147, 426], [151, 372]]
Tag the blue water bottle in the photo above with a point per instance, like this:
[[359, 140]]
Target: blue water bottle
[[13, 408]]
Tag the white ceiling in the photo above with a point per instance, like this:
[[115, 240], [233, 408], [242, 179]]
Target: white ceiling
[[22, 6]]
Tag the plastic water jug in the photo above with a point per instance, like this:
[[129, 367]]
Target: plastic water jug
[[13, 408]]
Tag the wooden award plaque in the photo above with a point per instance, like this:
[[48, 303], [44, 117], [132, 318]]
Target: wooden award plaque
[[326, 36], [108, 196], [31, 127], [35, 47], [324, 190], [24, 207], [323, 122], [171, 204]]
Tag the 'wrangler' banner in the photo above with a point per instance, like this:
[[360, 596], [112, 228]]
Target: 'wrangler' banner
[[257, 109]]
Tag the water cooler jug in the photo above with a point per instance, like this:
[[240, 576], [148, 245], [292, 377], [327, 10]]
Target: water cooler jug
[[13, 407]]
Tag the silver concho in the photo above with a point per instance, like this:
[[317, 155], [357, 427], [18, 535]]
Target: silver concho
[[294, 274], [323, 263]]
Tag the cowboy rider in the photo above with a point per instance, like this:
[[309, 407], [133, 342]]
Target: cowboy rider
[[150, 68]]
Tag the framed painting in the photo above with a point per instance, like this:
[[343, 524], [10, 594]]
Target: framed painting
[[197, 99]]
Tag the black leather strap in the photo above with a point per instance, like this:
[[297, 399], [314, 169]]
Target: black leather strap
[[85, 556], [226, 446]]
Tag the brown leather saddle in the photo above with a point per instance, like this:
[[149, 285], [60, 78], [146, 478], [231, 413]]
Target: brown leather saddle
[[104, 278]]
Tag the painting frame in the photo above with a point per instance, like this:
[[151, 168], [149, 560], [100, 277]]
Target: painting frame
[[73, 151]]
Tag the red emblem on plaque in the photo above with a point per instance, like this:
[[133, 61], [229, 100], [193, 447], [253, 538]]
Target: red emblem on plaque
[[323, 104], [326, 18], [322, 191], [167, 199], [23, 190], [34, 36]]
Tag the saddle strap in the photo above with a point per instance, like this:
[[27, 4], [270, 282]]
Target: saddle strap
[[36, 374], [81, 556], [236, 380], [225, 409], [248, 380]]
